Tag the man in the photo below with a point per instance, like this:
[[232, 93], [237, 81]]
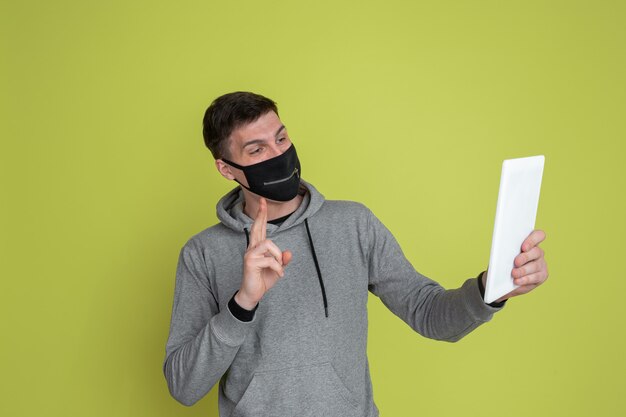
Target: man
[[271, 302]]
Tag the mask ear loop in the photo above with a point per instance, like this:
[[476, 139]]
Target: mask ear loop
[[231, 163], [240, 167]]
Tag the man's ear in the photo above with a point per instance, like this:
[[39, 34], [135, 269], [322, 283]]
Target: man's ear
[[224, 169]]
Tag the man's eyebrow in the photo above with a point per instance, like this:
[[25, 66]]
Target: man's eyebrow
[[255, 141], [280, 129]]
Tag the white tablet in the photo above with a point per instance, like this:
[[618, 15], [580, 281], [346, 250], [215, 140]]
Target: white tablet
[[516, 212]]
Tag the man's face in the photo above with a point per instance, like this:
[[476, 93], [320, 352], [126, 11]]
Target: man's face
[[263, 139]]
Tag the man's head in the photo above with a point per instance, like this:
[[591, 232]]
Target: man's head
[[228, 113], [251, 145]]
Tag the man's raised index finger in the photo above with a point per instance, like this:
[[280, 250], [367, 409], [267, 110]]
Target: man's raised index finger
[[263, 215], [258, 225]]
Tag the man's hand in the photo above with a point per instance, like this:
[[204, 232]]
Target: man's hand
[[263, 263], [530, 269]]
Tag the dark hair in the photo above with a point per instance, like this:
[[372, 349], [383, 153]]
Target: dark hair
[[227, 113]]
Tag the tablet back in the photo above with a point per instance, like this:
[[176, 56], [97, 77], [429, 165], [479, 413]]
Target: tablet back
[[516, 212]]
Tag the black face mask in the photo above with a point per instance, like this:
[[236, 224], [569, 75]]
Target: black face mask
[[277, 179]]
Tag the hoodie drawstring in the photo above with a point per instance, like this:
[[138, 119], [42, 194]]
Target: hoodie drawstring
[[317, 265]]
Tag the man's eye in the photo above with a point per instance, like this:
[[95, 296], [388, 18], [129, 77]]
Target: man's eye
[[257, 150]]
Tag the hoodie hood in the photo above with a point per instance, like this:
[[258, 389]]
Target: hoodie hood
[[230, 210]]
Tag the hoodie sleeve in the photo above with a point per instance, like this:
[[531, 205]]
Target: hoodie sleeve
[[203, 340], [422, 303]]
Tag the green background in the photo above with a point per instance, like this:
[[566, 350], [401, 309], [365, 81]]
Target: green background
[[407, 106]]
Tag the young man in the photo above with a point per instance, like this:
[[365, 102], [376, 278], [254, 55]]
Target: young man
[[272, 301]]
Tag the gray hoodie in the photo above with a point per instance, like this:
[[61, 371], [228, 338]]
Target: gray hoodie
[[293, 359]]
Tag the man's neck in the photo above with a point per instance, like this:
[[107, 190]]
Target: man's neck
[[275, 209]]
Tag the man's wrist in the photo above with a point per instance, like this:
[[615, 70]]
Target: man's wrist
[[244, 302], [481, 287], [241, 312]]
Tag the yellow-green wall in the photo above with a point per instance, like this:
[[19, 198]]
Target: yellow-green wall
[[406, 106]]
